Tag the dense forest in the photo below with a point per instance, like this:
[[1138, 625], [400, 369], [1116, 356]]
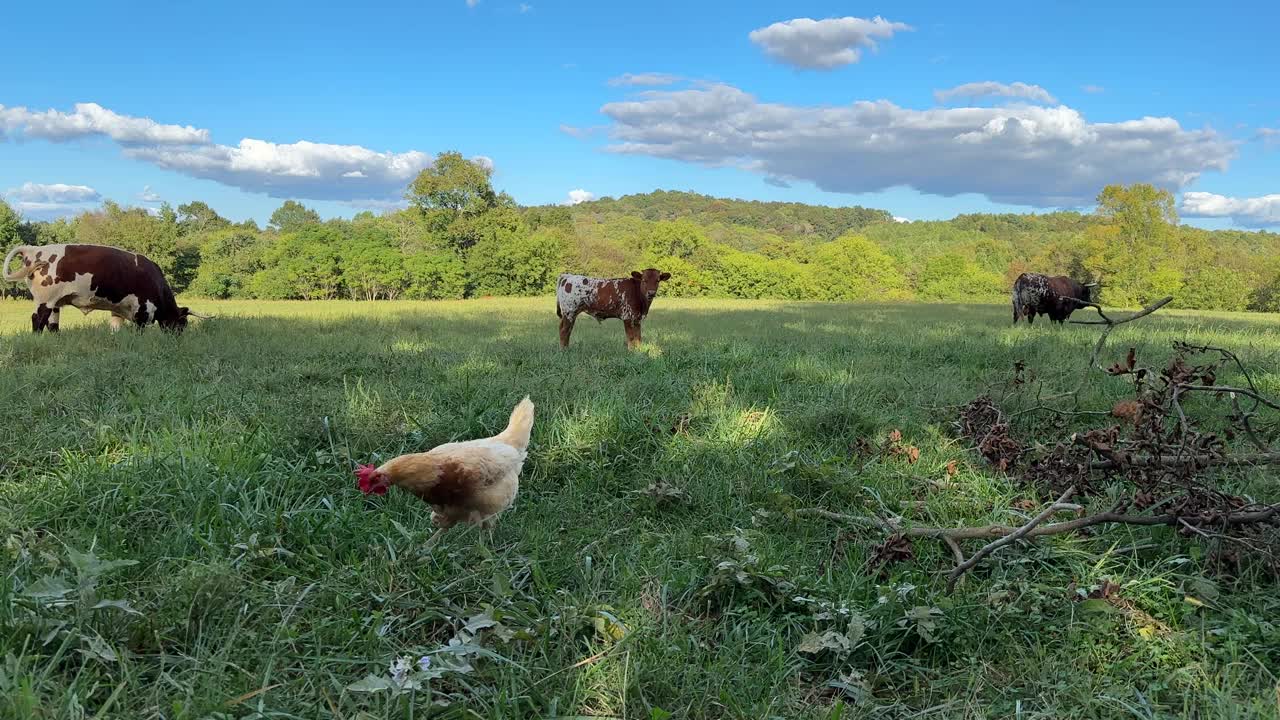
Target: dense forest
[[461, 238]]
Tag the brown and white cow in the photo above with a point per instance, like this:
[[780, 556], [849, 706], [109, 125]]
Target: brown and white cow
[[94, 277], [628, 299], [1055, 296]]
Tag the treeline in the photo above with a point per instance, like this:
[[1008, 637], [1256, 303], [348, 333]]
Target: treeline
[[460, 238]]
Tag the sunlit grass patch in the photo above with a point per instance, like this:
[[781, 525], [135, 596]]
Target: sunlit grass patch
[[220, 461]]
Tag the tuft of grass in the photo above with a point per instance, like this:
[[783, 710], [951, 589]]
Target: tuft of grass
[[182, 537]]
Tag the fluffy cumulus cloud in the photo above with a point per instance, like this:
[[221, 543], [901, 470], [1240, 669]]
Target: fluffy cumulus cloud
[[1249, 212], [93, 120], [975, 90], [644, 79], [318, 171], [1269, 136], [148, 195], [307, 170], [823, 44], [1020, 154], [51, 199], [579, 196]]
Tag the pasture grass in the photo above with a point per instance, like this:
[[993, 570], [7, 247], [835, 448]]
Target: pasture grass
[[183, 537]]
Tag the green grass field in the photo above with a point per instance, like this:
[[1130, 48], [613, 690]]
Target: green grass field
[[205, 480]]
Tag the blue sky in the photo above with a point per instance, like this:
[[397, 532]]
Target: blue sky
[[933, 110]]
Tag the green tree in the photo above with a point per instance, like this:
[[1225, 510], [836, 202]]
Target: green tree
[[293, 216], [9, 222], [451, 194], [435, 275], [228, 261], [371, 266], [853, 268], [197, 217], [681, 238], [523, 265], [305, 265]]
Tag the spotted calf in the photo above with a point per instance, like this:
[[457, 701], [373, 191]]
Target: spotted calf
[[628, 299], [94, 277]]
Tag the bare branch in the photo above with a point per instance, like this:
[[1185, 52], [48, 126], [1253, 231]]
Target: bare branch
[[1108, 321], [1239, 391], [1248, 427], [1265, 458], [965, 566]]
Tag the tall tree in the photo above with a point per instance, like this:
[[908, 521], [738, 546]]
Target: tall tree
[[197, 217], [453, 195], [293, 216]]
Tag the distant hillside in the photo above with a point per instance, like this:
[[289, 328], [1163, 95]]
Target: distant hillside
[[789, 220]]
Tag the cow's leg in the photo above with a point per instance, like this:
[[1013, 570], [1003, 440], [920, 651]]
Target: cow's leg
[[633, 333], [1031, 318], [40, 318], [54, 315], [117, 322], [566, 329]]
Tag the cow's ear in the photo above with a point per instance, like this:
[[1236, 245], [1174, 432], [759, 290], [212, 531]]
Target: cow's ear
[[636, 275], [664, 277]]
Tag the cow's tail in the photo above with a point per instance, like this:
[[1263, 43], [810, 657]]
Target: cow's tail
[[1017, 311], [22, 272]]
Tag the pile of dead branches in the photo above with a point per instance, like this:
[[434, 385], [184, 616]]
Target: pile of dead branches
[[1155, 462]]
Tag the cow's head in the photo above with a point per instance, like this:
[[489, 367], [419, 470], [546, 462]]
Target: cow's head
[[649, 280], [179, 321]]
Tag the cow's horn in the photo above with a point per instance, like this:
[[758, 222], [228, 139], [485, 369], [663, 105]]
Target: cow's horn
[[1092, 284], [202, 317]]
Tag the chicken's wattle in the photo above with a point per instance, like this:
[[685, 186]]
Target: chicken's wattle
[[367, 476]]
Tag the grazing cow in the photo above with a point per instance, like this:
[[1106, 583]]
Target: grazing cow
[[625, 298], [1056, 296], [94, 277]]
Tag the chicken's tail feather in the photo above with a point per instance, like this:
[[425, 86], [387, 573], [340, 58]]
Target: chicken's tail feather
[[517, 433]]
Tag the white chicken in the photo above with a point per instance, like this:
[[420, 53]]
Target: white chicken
[[469, 482]]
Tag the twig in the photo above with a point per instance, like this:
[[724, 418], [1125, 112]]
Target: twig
[[965, 566], [1245, 424], [1227, 389], [1265, 458]]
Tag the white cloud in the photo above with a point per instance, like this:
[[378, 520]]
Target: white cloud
[[1269, 136], [580, 196], [1249, 212], [1093, 89], [148, 196], [52, 200], [472, 3], [581, 132], [644, 79], [990, 88], [525, 7], [54, 193], [316, 171], [901, 219], [823, 44], [304, 170], [1022, 154], [90, 120]]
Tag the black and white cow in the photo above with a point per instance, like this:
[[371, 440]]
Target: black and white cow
[[94, 277]]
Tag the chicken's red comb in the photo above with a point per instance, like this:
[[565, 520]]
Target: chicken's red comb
[[368, 476]]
